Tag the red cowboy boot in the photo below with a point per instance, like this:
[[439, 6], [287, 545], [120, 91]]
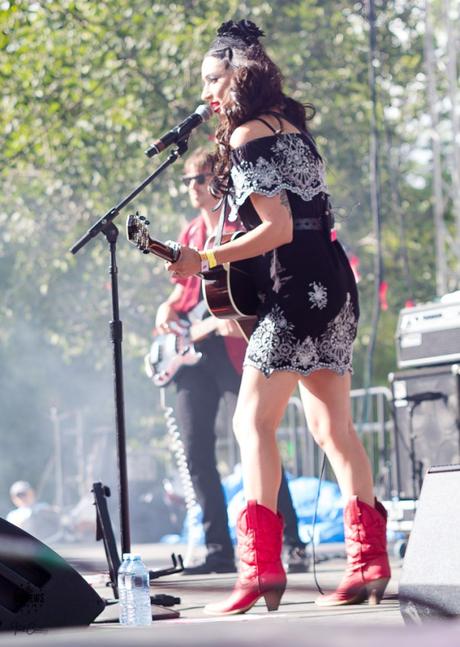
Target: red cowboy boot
[[368, 569], [261, 573]]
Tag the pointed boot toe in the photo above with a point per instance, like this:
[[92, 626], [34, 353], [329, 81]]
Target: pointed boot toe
[[261, 575], [368, 569]]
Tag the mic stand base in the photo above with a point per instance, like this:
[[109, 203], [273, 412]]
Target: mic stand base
[[104, 531]]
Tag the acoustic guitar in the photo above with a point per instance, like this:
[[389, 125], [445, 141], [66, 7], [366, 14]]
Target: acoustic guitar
[[228, 290]]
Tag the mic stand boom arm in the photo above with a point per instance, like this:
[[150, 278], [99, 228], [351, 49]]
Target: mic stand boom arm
[[110, 231], [114, 212]]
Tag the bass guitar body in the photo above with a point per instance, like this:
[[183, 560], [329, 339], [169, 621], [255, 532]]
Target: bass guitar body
[[171, 351], [168, 354]]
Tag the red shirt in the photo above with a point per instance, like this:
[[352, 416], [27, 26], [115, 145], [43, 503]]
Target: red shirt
[[194, 235]]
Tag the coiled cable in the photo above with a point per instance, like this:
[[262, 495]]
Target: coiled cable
[[191, 504]]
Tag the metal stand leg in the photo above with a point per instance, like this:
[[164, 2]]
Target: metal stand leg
[[417, 466], [105, 532]]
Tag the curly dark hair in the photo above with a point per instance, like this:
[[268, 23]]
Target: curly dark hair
[[256, 88]]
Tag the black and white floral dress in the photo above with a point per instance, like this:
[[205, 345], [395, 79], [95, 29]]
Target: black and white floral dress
[[308, 301]]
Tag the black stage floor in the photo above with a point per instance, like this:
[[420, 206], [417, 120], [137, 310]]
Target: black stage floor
[[297, 622]]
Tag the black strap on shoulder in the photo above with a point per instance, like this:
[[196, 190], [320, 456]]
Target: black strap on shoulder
[[264, 121], [224, 209], [280, 116]]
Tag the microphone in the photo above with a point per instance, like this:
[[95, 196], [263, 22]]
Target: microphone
[[424, 396], [202, 113]]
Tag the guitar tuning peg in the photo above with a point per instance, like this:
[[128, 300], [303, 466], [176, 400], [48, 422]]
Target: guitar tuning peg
[[141, 217], [147, 222], [137, 212], [145, 251]]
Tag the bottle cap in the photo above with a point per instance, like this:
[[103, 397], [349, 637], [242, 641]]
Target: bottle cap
[[126, 556]]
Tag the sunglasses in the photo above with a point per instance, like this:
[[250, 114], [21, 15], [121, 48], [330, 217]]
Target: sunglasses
[[199, 179]]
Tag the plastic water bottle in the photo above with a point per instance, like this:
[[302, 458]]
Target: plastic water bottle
[[122, 592], [138, 593]]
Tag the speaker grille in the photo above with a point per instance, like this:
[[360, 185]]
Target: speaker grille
[[435, 424]]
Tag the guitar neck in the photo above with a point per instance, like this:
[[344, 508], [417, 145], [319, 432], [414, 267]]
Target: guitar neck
[[162, 250], [138, 235]]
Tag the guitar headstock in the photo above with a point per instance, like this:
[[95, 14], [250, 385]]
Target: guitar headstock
[[138, 233]]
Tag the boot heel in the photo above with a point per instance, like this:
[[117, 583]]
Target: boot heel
[[376, 589], [273, 598]]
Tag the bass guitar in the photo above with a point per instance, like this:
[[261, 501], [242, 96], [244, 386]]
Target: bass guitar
[[228, 290], [170, 352]]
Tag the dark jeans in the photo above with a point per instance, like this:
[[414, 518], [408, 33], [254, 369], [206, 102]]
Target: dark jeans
[[200, 389]]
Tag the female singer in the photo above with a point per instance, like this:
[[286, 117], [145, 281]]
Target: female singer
[[269, 166]]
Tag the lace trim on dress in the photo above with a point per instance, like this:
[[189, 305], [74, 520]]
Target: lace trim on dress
[[289, 163], [273, 345]]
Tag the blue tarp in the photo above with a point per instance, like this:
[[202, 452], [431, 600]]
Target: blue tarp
[[304, 490]]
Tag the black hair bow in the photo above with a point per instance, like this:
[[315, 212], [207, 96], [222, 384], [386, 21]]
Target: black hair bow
[[244, 30]]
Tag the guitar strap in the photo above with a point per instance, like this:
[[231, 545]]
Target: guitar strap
[[224, 208]]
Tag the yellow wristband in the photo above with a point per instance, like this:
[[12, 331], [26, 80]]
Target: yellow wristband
[[211, 258], [204, 262]]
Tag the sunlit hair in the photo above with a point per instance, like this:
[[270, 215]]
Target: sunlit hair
[[256, 87], [201, 160]]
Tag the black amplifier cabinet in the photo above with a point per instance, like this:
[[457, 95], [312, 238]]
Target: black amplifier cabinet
[[426, 424], [428, 334]]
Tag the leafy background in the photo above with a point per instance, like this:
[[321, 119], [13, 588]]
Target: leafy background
[[85, 88]]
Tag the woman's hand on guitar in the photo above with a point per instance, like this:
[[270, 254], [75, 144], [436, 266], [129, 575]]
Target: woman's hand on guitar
[[189, 263]]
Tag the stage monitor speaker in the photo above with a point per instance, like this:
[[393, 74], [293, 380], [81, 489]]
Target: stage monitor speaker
[[430, 579], [39, 589], [435, 424]]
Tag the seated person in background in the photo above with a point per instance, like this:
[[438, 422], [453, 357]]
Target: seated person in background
[[36, 517], [23, 496]]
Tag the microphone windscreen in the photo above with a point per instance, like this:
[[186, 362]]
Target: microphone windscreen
[[204, 111]]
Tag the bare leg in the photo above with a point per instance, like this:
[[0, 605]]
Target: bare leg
[[326, 399], [261, 405]]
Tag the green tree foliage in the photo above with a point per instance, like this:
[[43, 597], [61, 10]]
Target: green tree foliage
[[85, 86]]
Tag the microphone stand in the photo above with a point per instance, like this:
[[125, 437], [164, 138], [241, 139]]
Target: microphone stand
[[417, 466], [105, 226]]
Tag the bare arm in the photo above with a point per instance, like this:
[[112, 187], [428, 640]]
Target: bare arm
[[275, 229], [275, 213], [166, 312]]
